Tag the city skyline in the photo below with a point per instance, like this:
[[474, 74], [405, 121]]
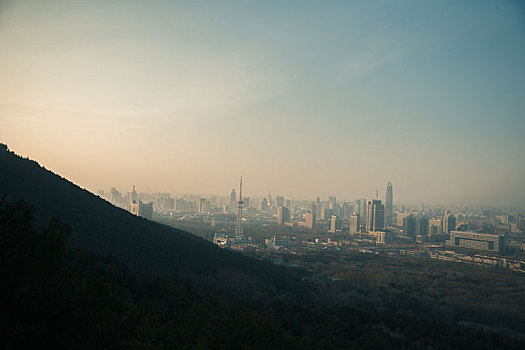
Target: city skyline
[[384, 195], [301, 99], [326, 199], [262, 174]]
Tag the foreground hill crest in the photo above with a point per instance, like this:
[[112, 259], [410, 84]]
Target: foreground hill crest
[[143, 245]]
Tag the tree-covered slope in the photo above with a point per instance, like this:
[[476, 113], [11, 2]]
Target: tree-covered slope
[[143, 245], [52, 297]]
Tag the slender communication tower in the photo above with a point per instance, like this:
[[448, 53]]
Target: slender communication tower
[[238, 229]]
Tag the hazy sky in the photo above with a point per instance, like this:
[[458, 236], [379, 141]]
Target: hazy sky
[[302, 98]]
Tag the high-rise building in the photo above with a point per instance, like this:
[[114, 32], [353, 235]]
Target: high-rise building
[[144, 210], [517, 217], [263, 204], [435, 227], [449, 223], [233, 198], [409, 226], [309, 220], [326, 214], [521, 223], [293, 209], [132, 196], [400, 217], [384, 237], [311, 206], [502, 229], [180, 204], [317, 211], [203, 206], [362, 210], [279, 201], [422, 226], [389, 205], [116, 197], [336, 208], [283, 214], [334, 225], [163, 201], [345, 211], [354, 223], [503, 219], [135, 208], [375, 218]]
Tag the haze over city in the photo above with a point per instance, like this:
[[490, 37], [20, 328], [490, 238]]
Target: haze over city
[[197, 174], [303, 99]]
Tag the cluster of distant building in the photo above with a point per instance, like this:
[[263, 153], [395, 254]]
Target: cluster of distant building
[[366, 220], [130, 202]]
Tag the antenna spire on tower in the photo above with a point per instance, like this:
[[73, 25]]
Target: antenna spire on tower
[[238, 229]]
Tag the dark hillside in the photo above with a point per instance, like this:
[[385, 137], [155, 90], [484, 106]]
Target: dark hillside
[[52, 297], [143, 245]]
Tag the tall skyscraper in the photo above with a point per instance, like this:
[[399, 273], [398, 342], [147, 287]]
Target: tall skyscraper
[[309, 220], [362, 210], [263, 204], [449, 223], [293, 209], [389, 205], [132, 196], [521, 223], [334, 225], [409, 226], [422, 226], [326, 214], [116, 197], [400, 217], [279, 201], [203, 206], [354, 223], [311, 206], [375, 218], [233, 199], [283, 214], [435, 227], [345, 211]]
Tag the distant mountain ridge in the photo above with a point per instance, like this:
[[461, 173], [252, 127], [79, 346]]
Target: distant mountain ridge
[[142, 245]]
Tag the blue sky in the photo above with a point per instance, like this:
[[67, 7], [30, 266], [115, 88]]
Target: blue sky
[[303, 98]]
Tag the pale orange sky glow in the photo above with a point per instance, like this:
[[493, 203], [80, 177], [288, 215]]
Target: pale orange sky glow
[[301, 99]]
